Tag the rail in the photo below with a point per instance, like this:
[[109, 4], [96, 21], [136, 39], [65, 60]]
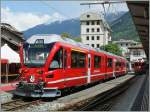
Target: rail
[[18, 104]]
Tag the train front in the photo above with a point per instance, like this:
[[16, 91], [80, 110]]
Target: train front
[[32, 82]]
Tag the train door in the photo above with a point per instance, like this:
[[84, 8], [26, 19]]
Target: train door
[[56, 73], [89, 69], [77, 71], [109, 67], [114, 67], [65, 64]]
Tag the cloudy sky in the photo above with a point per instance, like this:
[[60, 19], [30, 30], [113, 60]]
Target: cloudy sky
[[26, 14]]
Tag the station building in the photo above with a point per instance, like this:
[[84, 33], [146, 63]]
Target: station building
[[95, 31], [10, 41], [10, 36]]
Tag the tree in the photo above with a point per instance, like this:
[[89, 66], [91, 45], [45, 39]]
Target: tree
[[113, 48], [78, 39], [67, 35], [64, 34]]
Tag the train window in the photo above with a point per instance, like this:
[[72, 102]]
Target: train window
[[77, 59], [57, 60], [74, 58], [123, 64], [109, 62], [97, 61], [81, 60], [119, 64]]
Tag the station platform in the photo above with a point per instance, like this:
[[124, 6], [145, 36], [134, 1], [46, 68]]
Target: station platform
[[8, 87], [89, 93]]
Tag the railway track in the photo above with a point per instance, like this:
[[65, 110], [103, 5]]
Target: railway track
[[104, 102], [18, 104]]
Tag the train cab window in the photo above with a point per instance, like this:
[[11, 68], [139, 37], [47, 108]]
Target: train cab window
[[65, 59], [109, 62], [77, 59], [57, 60], [97, 61]]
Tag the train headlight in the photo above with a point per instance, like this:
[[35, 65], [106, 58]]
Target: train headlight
[[32, 78]]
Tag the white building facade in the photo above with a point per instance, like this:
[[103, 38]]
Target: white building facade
[[137, 53], [95, 32], [124, 44]]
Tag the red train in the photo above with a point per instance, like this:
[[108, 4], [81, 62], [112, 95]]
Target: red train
[[139, 67], [50, 64]]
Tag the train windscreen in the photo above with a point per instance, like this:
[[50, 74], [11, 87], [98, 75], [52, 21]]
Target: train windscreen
[[35, 55]]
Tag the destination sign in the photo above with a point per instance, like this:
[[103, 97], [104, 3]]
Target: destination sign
[[37, 46]]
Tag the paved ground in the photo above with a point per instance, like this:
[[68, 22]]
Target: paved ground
[[125, 101]]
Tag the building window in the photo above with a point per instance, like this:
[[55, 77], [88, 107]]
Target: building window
[[87, 23], [92, 37], [87, 30], [77, 59], [92, 29], [97, 37], [97, 61], [97, 29], [98, 23], [87, 38], [92, 45], [136, 53], [109, 62], [88, 16], [97, 45], [93, 22], [126, 44]]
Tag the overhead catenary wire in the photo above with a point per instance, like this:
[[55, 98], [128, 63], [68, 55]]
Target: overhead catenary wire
[[47, 4], [103, 4]]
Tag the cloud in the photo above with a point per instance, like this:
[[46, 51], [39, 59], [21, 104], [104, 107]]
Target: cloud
[[22, 20]]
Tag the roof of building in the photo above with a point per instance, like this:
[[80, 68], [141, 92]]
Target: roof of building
[[125, 41], [12, 29], [136, 47], [94, 16]]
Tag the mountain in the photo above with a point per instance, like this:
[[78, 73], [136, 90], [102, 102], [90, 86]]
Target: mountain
[[110, 17], [124, 27], [71, 26], [121, 25]]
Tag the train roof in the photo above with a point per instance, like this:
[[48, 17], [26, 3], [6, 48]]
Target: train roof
[[50, 38]]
